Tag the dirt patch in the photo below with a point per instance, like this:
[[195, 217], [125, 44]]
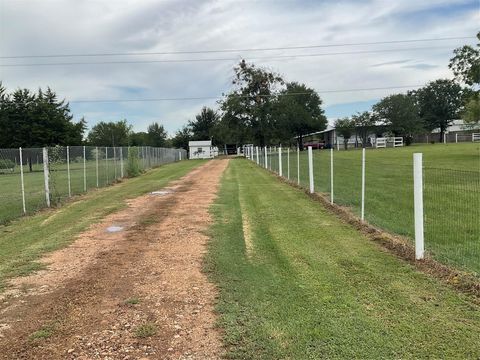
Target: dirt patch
[[132, 294]]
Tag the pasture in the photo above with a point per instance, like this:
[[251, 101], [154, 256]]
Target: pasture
[[451, 193]]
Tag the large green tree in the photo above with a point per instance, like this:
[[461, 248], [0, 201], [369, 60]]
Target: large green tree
[[156, 135], [466, 68], [345, 127], [399, 114], [203, 127], [364, 124], [297, 111], [440, 102], [110, 134], [182, 137], [254, 93]]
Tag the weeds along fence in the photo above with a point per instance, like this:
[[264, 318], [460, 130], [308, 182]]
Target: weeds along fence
[[35, 178], [437, 209]]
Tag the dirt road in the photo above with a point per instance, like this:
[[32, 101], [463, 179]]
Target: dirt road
[[131, 287]]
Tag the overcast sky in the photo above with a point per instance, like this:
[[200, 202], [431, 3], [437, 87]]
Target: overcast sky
[[105, 26]]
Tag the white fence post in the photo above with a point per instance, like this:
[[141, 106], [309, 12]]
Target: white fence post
[[456, 138], [96, 163], [266, 158], [310, 169], [84, 170], [331, 175], [114, 163], [288, 162], [258, 159], [418, 205], [22, 182], [106, 164], [363, 185], [68, 172], [46, 176], [121, 162], [298, 165], [280, 167]]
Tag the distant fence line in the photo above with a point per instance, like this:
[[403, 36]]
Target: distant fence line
[[436, 208], [34, 178]]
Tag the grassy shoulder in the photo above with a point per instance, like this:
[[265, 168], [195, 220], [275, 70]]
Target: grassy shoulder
[[23, 241], [295, 282]]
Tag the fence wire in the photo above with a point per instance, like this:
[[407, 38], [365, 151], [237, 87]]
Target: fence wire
[[72, 171], [451, 196]]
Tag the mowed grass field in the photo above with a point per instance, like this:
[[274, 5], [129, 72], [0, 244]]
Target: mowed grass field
[[451, 193], [11, 193], [295, 282], [24, 240]]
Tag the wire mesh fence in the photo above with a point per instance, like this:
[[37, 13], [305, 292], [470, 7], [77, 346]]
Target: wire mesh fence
[[34, 178], [451, 197]]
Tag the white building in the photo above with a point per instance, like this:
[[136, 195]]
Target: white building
[[201, 150]]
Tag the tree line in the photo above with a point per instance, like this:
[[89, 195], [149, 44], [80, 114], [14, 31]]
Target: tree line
[[261, 108]]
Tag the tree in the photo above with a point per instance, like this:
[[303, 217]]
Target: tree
[[466, 64], [466, 68], [182, 137], [345, 127], [297, 112], [399, 114], [138, 138], [203, 126], [364, 123], [439, 102], [252, 100], [156, 135], [110, 134], [35, 120]]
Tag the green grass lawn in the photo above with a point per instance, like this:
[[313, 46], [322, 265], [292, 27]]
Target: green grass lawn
[[451, 193], [24, 240], [308, 286], [10, 185]]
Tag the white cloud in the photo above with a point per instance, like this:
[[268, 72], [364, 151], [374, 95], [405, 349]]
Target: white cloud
[[69, 26]]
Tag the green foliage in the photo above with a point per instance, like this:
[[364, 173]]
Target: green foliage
[[345, 127], [156, 135], [203, 126], [439, 103], [35, 120], [297, 111], [182, 137], [399, 114], [472, 111], [6, 164], [364, 124], [466, 64], [110, 134], [133, 162], [145, 330]]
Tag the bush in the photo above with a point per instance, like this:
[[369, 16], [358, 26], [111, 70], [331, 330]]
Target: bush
[[133, 162], [6, 164]]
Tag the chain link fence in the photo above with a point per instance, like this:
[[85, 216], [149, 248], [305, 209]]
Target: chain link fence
[[35, 178]]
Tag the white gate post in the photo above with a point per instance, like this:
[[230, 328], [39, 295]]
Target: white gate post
[[331, 176], [280, 167], [363, 185], [68, 172], [96, 163], [22, 182], [288, 162], [298, 165], [266, 158], [84, 170], [310, 169], [121, 162], [46, 176], [418, 205]]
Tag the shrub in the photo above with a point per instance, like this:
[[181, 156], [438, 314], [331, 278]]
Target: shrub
[[6, 164], [133, 162]]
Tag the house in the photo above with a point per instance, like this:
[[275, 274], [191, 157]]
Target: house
[[201, 150]]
